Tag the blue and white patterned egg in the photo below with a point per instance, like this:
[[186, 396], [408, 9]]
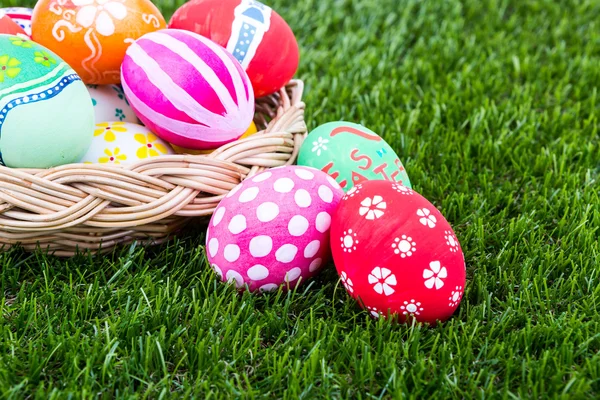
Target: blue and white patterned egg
[[21, 15], [46, 116], [110, 104]]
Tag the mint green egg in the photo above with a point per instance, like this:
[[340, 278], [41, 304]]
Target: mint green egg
[[351, 154], [46, 113]]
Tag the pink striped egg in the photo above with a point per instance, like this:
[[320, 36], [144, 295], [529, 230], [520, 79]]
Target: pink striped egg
[[188, 90]]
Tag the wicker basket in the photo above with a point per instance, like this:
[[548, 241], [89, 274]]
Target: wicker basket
[[79, 207]]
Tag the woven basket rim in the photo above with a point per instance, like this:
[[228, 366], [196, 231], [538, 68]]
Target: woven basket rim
[[95, 207]]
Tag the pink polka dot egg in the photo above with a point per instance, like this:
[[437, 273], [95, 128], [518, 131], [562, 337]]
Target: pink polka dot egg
[[273, 228]]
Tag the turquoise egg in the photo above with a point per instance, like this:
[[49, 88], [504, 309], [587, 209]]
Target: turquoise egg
[[351, 154], [46, 113]]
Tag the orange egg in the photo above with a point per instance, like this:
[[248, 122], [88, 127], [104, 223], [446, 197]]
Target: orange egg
[[93, 35], [180, 150]]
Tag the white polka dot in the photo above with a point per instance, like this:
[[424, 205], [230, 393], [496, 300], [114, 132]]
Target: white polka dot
[[237, 224], [323, 222], [218, 216], [286, 253], [217, 270], [298, 225], [302, 198], [262, 177], [315, 265], [248, 195], [293, 274], [261, 246], [235, 277], [232, 252], [283, 185], [258, 272], [213, 247], [333, 182], [325, 194], [267, 212], [312, 249], [269, 287], [234, 190], [304, 174]]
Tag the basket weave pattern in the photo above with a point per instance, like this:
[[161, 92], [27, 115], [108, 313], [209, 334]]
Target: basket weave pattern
[[97, 207]]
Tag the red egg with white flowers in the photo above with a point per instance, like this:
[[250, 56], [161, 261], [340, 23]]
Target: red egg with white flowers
[[396, 253], [253, 33]]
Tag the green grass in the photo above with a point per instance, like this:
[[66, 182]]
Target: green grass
[[493, 107]]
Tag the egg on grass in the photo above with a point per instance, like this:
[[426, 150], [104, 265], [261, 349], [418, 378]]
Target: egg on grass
[[273, 229], [396, 254], [351, 154]]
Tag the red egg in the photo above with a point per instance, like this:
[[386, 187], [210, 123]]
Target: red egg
[[396, 253], [256, 36], [10, 27]]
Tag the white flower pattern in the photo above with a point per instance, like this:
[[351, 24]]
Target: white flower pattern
[[347, 282], [349, 241], [434, 277], [455, 296], [374, 312], [100, 13], [403, 190], [320, 145], [411, 307], [426, 218], [352, 192], [404, 246], [383, 280], [451, 241], [372, 208]]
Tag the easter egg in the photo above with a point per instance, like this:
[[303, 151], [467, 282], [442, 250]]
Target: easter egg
[[124, 143], [187, 89], [8, 26], [21, 15], [351, 154], [396, 253], [46, 114], [273, 228], [93, 35], [110, 104], [255, 34], [180, 150]]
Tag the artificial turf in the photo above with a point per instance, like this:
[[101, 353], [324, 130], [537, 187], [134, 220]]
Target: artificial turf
[[493, 108]]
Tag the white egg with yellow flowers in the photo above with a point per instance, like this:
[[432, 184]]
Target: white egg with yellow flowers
[[123, 143]]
